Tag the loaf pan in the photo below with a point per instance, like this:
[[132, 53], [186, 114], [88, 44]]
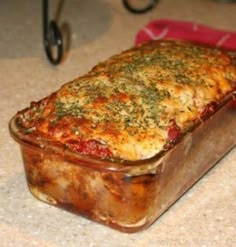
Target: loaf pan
[[127, 196]]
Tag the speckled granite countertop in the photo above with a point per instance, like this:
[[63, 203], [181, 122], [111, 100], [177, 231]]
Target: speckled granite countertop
[[204, 216]]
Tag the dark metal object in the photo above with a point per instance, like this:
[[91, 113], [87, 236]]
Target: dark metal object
[[128, 5], [52, 37]]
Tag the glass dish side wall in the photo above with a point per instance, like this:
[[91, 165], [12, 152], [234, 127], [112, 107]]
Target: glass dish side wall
[[130, 201], [195, 155], [122, 202]]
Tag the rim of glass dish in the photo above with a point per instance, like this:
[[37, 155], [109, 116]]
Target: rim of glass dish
[[112, 165]]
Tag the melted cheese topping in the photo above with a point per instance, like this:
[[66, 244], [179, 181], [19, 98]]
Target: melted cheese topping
[[129, 102]]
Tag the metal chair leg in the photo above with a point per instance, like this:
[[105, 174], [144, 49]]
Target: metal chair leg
[[52, 37], [128, 5]]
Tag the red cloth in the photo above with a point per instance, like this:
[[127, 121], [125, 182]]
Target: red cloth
[[163, 29]]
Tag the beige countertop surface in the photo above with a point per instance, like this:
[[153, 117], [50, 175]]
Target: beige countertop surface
[[204, 216]]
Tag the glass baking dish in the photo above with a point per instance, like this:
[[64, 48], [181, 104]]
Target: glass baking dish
[[127, 196]]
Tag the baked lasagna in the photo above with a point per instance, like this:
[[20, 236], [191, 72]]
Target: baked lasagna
[[137, 103]]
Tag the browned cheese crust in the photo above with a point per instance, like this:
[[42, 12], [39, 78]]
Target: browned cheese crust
[[135, 103]]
